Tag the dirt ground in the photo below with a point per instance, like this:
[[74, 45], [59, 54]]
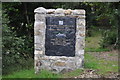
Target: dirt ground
[[110, 55]]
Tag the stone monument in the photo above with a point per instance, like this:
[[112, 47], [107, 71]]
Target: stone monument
[[59, 39]]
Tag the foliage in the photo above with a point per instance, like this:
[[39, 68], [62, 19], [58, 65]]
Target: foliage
[[109, 39], [15, 50], [18, 25]]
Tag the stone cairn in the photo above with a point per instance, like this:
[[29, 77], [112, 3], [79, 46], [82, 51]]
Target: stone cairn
[[58, 63]]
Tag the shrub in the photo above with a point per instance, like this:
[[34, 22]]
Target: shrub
[[16, 51], [109, 39]]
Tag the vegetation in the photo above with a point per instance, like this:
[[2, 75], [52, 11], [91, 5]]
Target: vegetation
[[101, 66], [18, 40]]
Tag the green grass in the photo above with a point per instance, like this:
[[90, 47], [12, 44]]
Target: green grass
[[30, 74], [92, 44], [76, 72], [103, 66], [43, 74], [112, 54], [96, 49]]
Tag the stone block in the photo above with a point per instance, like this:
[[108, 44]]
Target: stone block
[[39, 28], [78, 12], [39, 40], [79, 63], [46, 64], [81, 28], [59, 11], [39, 47], [81, 22], [66, 70], [71, 64], [50, 11], [40, 10], [82, 34], [40, 17], [80, 53], [81, 17], [59, 64], [68, 12]]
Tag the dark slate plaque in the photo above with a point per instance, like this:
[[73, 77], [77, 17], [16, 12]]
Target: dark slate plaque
[[60, 36]]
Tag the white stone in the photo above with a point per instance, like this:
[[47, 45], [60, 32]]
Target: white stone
[[59, 14], [39, 28], [59, 11], [81, 17], [40, 10], [38, 39], [80, 53], [68, 12], [79, 63], [78, 11], [49, 11], [81, 22], [39, 17]]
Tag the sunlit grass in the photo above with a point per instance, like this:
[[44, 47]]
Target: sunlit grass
[[103, 66]]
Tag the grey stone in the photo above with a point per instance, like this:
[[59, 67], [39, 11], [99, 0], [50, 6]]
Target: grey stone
[[81, 17], [59, 14], [81, 22], [46, 64], [68, 12], [79, 63], [80, 53], [40, 10], [65, 70], [78, 12], [50, 11], [71, 64], [58, 63], [59, 11], [40, 17], [39, 28], [39, 47]]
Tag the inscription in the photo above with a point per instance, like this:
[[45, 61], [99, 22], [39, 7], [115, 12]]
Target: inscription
[[60, 36]]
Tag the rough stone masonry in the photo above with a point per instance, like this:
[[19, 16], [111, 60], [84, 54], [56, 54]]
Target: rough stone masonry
[[55, 41]]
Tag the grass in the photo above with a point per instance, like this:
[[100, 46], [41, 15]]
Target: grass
[[30, 74], [112, 54], [43, 74], [92, 44], [96, 49], [103, 66], [76, 72]]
